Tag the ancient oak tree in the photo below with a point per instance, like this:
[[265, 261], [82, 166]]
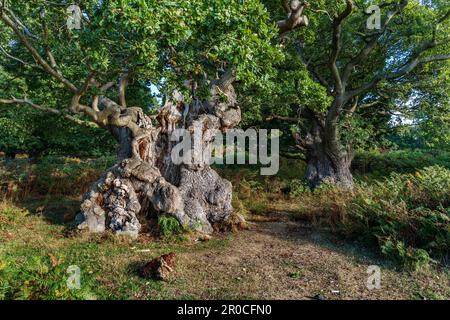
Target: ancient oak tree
[[192, 51], [338, 69]]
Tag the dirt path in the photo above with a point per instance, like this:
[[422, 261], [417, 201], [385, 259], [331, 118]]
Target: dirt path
[[283, 260]]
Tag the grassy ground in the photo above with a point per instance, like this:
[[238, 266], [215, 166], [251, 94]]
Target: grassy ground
[[36, 251], [290, 250], [275, 258]]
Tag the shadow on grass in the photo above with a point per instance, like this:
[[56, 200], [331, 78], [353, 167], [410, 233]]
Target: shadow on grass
[[53, 209], [135, 268], [305, 233]]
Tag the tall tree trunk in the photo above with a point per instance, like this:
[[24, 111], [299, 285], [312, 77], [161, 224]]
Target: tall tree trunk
[[324, 166], [146, 183], [327, 160]]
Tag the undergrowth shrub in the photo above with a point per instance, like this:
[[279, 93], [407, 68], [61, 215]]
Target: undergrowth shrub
[[407, 216], [169, 227], [401, 161], [30, 272], [68, 176], [10, 213], [296, 187], [37, 277], [54, 175]]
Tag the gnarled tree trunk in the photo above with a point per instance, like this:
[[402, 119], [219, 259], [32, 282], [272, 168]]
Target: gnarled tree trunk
[[145, 182], [327, 160], [323, 166]]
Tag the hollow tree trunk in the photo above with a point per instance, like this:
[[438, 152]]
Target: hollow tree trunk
[[145, 183]]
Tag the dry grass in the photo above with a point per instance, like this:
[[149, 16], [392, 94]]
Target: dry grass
[[280, 260], [286, 253], [275, 259]]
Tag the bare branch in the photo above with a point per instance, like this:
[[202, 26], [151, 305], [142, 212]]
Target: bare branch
[[301, 143], [123, 83], [354, 105], [370, 45], [48, 52], [75, 103], [103, 89], [416, 59], [340, 99], [438, 57], [357, 106], [412, 64], [95, 101], [19, 23], [288, 119], [323, 11], [370, 104], [295, 16], [337, 44], [17, 59], [46, 110], [35, 53], [409, 66]]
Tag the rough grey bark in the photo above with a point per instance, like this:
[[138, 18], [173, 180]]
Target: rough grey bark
[[295, 18], [325, 167], [327, 160], [145, 182]]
